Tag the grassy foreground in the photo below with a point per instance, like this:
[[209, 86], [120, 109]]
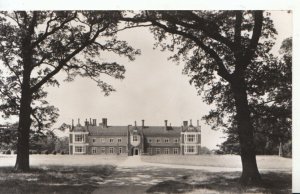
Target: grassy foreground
[[54, 179]]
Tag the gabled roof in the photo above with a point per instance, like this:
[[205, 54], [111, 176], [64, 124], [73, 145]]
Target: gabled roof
[[191, 128], [108, 131], [161, 131]]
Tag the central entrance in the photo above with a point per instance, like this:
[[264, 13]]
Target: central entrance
[[136, 151]]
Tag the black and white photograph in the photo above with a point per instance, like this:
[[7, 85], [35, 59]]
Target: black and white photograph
[[146, 101]]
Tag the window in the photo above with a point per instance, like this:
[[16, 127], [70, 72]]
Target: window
[[78, 149], [135, 138], [176, 140], [166, 140], [120, 150], [157, 140], [103, 140], [103, 150], [94, 140], [191, 138], [78, 138], [175, 151], [119, 140], [149, 140], [166, 150], [111, 140], [190, 149], [94, 150], [157, 150], [111, 150]]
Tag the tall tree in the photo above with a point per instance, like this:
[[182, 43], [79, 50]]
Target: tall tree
[[219, 49], [272, 114], [36, 46]]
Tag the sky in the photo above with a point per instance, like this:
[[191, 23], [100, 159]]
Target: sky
[[154, 89]]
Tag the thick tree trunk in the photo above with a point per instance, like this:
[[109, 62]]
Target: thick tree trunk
[[250, 172], [22, 162]]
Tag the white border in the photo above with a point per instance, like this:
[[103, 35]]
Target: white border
[[191, 4]]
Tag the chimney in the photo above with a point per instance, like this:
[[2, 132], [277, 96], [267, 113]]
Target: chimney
[[95, 122], [104, 122], [90, 121], [166, 124], [135, 123], [191, 122], [86, 123], [78, 121], [185, 123], [72, 123], [143, 123], [198, 123]]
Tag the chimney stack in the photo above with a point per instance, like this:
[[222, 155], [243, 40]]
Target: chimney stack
[[135, 123], [90, 121], [95, 122], [72, 123], [166, 124], [143, 123], [198, 123], [86, 123], [185, 123], [78, 121], [104, 122], [191, 122]]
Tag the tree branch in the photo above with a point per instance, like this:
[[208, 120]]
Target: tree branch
[[222, 71], [64, 61]]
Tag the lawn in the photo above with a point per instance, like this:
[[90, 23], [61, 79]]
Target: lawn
[[104, 174], [223, 161]]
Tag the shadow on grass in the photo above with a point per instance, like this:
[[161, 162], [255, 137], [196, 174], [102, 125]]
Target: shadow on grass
[[54, 179], [224, 182]]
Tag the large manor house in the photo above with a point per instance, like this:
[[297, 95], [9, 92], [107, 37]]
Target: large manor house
[[133, 139]]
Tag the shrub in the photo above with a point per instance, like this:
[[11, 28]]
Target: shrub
[[8, 152], [62, 152], [45, 152], [15, 152], [54, 152]]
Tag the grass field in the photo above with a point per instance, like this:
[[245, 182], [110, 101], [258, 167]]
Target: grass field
[[104, 174], [224, 161]]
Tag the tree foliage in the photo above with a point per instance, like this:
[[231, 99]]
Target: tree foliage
[[36, 45]]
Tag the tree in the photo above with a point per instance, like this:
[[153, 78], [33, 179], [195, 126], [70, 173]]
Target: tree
[[36, 46], [219, 49], [271, 117]]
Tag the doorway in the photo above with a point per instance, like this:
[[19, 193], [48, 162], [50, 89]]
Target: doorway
[[135, 151]]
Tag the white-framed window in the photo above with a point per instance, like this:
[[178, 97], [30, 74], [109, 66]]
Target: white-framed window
[[191, 138], [111, 150], [149, 140], [135, 138], [190, 149], [94, 140], [119, 140], [102, 140], [120, 150], [175, 151], [111, 140], [78, 138], [166, 140], [94, 150], [103, 150], [78, 149], [176, 140], [158, 140], [157, 150], [166, 151]]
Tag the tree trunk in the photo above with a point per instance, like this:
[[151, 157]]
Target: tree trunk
[[22, 162], [250, 172]]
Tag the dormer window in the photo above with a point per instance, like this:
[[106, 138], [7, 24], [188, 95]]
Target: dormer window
[[135, 138]]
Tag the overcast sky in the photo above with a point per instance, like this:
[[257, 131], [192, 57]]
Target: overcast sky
[[154, 89]]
